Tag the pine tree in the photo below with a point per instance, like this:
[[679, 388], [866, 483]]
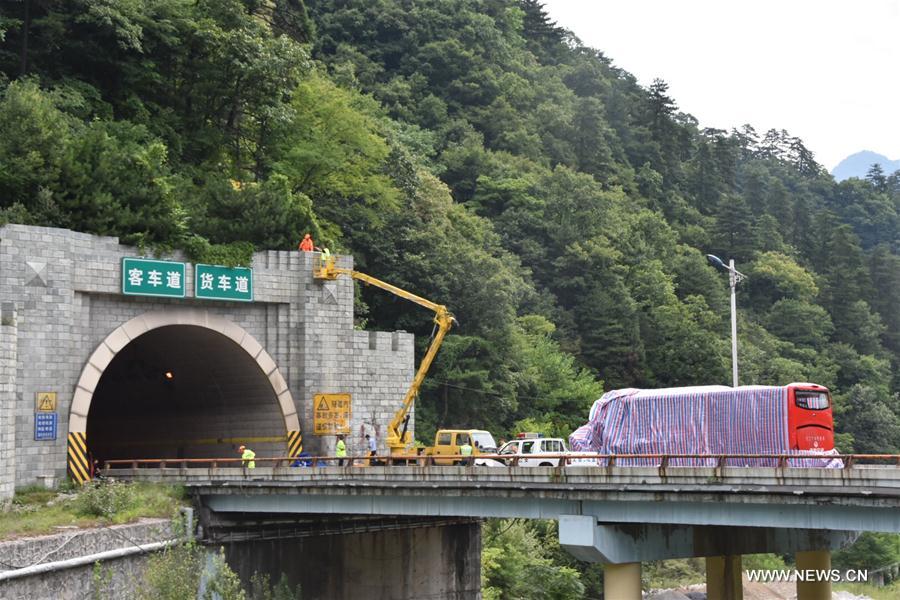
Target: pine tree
[[802, 158], [610, 335], [543, 37], [885, 271], [734, 230], [875, 176], [846, 285]]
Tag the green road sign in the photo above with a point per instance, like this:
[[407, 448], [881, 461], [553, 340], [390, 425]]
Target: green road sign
[[213, 282], [143, 277]]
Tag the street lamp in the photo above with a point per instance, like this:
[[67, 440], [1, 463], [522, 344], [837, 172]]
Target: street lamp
[[734, 278]]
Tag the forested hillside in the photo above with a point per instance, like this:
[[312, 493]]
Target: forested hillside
[[475, 153]]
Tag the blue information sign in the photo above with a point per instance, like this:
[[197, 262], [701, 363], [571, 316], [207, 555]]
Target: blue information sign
[[45, 426]]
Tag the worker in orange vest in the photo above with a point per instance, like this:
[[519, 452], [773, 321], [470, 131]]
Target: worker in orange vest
[[307, 244]]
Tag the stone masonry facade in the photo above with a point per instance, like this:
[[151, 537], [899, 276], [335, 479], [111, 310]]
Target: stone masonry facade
[[8, 365], [60, 298]]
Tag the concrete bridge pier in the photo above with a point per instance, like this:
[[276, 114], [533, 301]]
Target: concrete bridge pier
[[622, 581], [350, 557], [621, 547], [723, 578], [817, 560]]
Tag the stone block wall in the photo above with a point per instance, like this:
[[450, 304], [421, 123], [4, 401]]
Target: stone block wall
[[382, 371], [376, 368], [8, 365], [65, 288]]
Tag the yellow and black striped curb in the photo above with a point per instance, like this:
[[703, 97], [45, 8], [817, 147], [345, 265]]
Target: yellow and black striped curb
[[79, 467], [295, 443]]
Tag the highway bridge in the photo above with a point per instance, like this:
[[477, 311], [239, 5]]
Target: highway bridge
[[97, 362], [617, 515]]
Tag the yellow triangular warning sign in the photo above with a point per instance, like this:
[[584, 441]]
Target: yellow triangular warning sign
[[323, 404], [45, 402]]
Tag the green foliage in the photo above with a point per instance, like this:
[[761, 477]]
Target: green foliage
[[682, 347], [264, 215], [799, 322], [769, 562], [36, 511], [261, 588], [668, 573], [15, 213], [873, 415], [106, 177], [332, 148], [224, 583], [199, 250], [516, 565], [550, 382], [32, 495], [105, 499], [774, 276], [176, 572], [871, 551], [542, 426], [33, 149], [122, 502], [885, 273], [173, 574], [101, 580], [474, 153]]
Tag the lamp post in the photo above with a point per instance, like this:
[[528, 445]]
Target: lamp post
[[734, 278]]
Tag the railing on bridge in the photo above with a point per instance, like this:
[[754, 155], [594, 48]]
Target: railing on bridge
[[663, 461], [863, 494]]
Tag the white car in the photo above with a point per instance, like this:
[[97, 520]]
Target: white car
[[533, 452]]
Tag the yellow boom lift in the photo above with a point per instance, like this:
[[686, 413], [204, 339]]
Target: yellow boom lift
[[399, 439]]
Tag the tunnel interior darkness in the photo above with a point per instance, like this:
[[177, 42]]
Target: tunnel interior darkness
[[183, 391]]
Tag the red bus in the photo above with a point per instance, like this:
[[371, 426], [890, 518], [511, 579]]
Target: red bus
[[709, 420]]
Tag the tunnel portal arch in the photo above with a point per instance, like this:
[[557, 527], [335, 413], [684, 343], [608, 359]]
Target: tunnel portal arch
[[176, 333]]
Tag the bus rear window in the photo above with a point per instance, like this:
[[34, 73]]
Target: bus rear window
[[811, 400]]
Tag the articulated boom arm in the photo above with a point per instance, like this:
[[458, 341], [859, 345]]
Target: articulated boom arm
[[398, 438]]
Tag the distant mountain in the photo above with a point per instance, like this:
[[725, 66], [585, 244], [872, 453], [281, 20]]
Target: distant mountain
[[857, 165]]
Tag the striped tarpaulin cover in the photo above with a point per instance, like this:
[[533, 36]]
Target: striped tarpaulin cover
[[693, 420]]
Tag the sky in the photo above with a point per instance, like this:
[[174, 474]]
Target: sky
[[824, 70]]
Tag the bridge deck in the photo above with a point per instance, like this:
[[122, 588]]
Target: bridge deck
[[865, 498]]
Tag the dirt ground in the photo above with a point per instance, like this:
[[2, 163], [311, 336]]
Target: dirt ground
[[770, 591]]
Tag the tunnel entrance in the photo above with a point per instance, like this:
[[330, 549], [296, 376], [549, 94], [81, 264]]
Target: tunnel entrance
[[183, 391]]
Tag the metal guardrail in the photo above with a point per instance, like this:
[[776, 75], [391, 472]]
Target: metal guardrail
[[603, 460]]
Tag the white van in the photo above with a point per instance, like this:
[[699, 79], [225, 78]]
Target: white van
[[532, 451]]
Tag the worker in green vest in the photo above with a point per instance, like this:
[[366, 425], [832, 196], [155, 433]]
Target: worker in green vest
[[340, 449], [326, 256], [466, 451], [247, 455]]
